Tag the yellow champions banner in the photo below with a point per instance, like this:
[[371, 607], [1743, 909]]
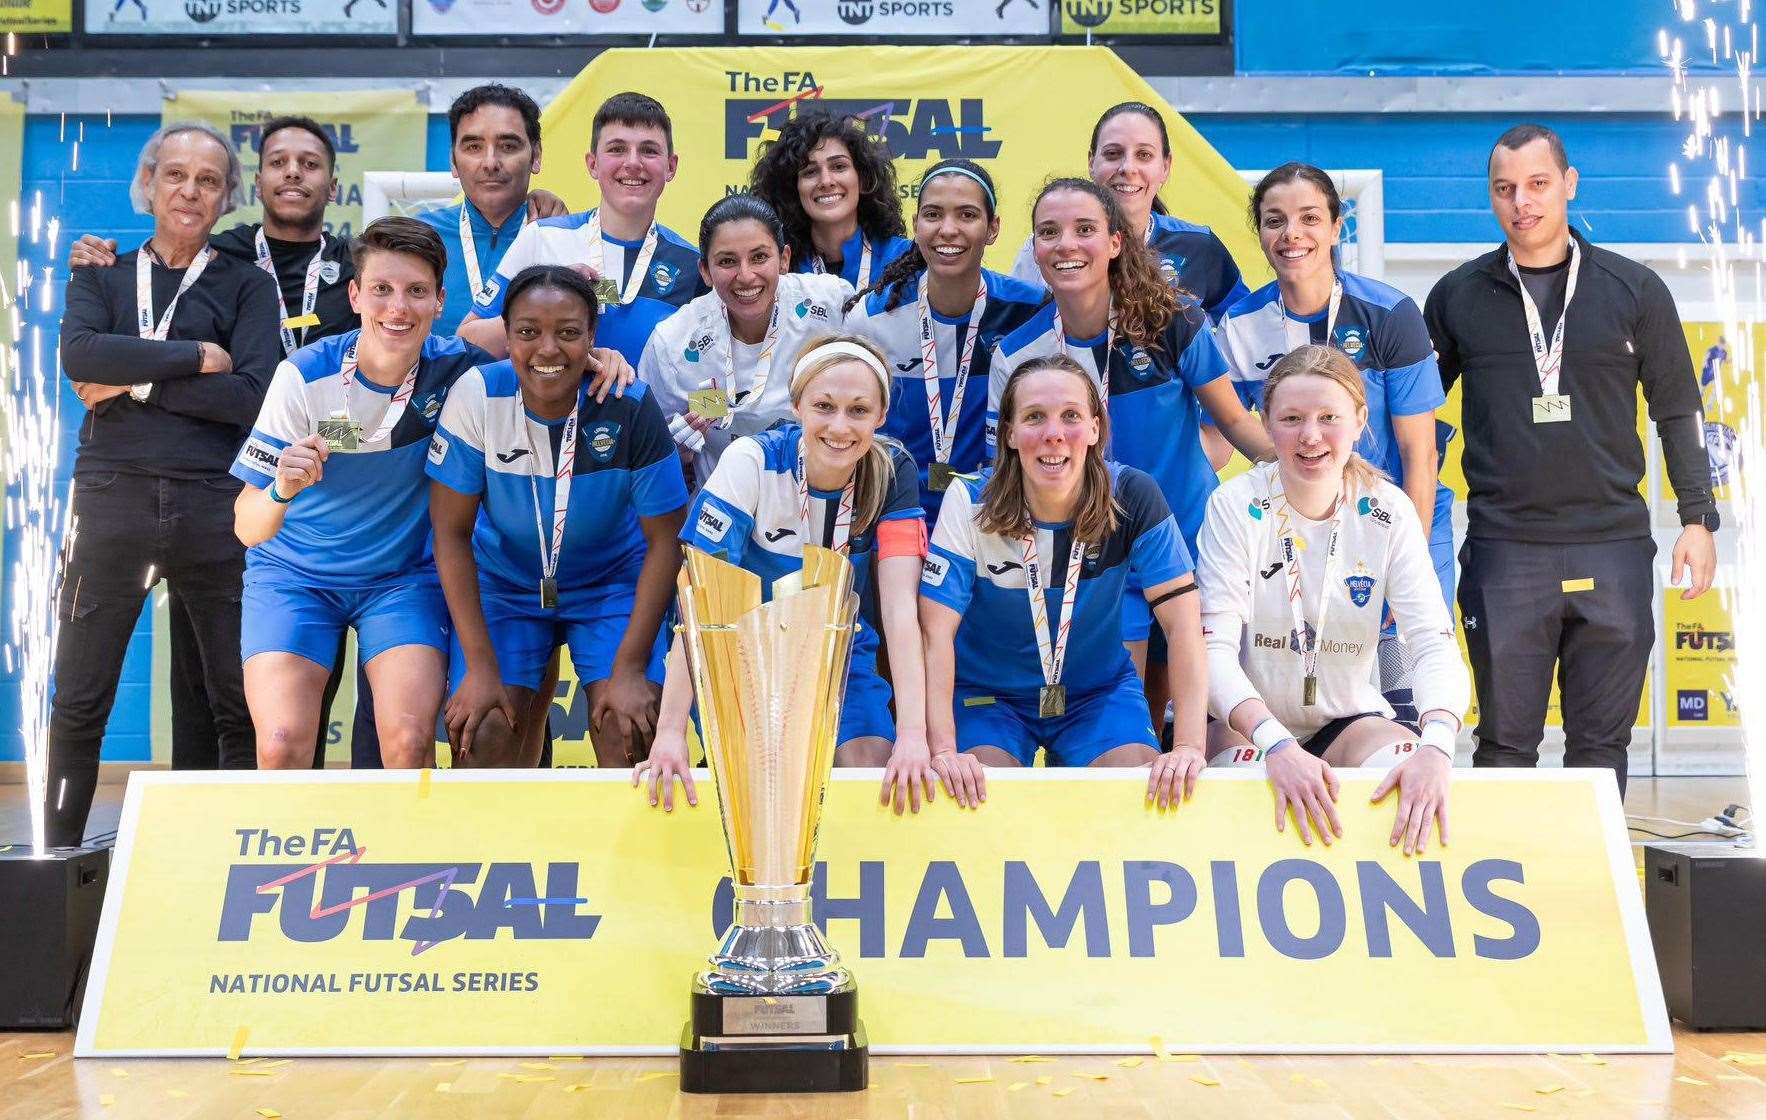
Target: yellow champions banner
[[373, 130], [558, 913], [51, 16], [988, 104]]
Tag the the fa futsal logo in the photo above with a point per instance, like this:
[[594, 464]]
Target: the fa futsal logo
[[1090, 13], [1721, 450], [201, 11], [855, 12]]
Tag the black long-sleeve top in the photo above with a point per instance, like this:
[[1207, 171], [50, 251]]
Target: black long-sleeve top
[[193, 423], [1571, 482]]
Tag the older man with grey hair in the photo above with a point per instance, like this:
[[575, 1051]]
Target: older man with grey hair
[[171, 350]]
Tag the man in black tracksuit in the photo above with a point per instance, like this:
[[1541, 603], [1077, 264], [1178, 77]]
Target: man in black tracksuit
[[1552, 338]]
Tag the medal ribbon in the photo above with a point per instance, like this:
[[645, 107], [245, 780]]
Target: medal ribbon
[[944, 428], [1548, 357], [1296, 580], [763, 365], [1109, 349], [1296, 333], [144, 291], [469, 251], [309, 294], [820, 268], [598, 255], [395, 408], [1053, 652], [564, 470], [843, 515]]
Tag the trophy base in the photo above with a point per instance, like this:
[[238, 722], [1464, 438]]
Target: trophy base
[[774, 1044]]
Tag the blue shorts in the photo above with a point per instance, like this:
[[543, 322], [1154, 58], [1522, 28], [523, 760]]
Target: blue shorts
[[866, 708], [1096, 721], [524, 634], [279, 617]]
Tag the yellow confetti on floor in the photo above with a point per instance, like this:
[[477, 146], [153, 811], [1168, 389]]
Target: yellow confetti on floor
[[1521, 1107], [269, 1114], [118, 1071], [1017, 1085], [1027, 1059], [657, 1075], [1203, 1079], [1128, 1063], [971, 1080], [1745, 1058], [238, 1046], [1320, 1085], [1591, 1059], [252, 1073], [1046, 1079], [533, 1078], [177, 1094], [1685, 1080], [1548, 1090], [566, 1058], [105, 1100], [35, 1054], [578, 1087], [444, 1087], [453, 1062], [1067, 1092], [1734, 1077], [1159, 1050]]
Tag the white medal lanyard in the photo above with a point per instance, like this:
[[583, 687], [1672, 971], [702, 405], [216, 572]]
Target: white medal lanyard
[[1308, 642], [1052, 650], [598, 258], [1297, 333], [1548, 357], [309, 294], [820, 268], [144, 324], [564, 470], [1109, 348], [469, 253], [394, 408], [842, 541], [944, 426], [763, 365]]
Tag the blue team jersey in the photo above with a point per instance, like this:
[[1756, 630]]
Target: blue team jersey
[[671, 276], [747, 513], [896, 331], [852, 253], [1378, 326], [367, 521], [488, 444], [981, 577], [1194, 259], [1155, 418], [489, 243]]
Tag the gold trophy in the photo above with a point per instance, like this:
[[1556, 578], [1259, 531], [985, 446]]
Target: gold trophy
[[776, 1011]]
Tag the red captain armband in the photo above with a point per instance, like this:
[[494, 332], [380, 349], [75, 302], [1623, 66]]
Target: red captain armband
[[904, 536]]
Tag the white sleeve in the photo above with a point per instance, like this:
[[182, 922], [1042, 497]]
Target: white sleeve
[[1024, 265], [1440, 679], [1225, 567], [656, 368], [282, 419], [996, 388]]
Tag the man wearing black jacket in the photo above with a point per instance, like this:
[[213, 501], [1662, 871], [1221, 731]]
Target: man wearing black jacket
[[171, 349], [1553, 337]]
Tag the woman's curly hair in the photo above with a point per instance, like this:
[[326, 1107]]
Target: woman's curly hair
[[1143, 301], [774, 178]]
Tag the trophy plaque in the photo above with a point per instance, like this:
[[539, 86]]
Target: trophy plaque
[[775, 1012]]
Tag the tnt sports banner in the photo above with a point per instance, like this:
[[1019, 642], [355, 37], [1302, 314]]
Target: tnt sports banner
[[577, 17], [373, 130], [941, 18], [51, 16], [990, 104], [519, 912], [242, 17], [1141, 17]]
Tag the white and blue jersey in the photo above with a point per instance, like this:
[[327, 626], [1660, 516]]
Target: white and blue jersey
[[896, 331], [671, 276], [1190, 256], [981, 577], [488, 444], [1155, 418], [1383, 332], [852, 255], [489, 243], [367, 522], [747, 513]]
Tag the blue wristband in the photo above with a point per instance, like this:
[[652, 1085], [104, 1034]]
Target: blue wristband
[[279, 499]]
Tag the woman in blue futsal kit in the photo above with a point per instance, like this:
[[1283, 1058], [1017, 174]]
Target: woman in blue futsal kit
[[830, 480], [1023, 592], [937, 315], [555, 516]]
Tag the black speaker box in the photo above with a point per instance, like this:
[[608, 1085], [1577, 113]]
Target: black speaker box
[[49, 908]]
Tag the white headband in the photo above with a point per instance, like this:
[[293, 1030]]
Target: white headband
[[846, 350]]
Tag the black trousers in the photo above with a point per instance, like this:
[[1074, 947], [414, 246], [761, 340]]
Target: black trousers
[[129, 530], [195, 746], [1522, 626]]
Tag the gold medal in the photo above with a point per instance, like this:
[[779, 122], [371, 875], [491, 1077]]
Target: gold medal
[[1551, 408], [340, 433], [607, 292], [1051, 701], [940, 476], [1309, 691], [709, 404]]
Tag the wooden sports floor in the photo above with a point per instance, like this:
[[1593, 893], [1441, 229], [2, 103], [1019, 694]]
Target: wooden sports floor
[[1709, 1075]]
